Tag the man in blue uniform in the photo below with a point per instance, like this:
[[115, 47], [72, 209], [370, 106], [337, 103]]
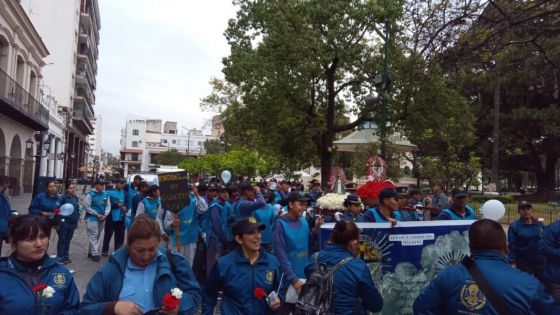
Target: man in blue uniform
[[454, 291], [523, 242], [387, 210], [459, 210], [250, 200], [217, 228], [5, 210], [549, 245], [98, 207], [115, 221]]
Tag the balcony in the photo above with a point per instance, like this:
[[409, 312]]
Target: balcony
[[82, 115], [87, 38], [18, 104]]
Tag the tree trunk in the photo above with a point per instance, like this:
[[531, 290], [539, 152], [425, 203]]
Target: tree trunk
[[496, 130], [326, 161], [545, 173], [328, 135]]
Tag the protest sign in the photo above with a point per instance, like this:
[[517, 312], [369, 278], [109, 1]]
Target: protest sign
[[174, 189], [405, 258]]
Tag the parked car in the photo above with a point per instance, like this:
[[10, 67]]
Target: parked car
[[151, 179]]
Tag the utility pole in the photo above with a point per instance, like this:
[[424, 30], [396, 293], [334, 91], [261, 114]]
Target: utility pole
[[385, 92]]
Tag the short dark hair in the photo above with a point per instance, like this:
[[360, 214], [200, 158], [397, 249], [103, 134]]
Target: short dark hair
[[49, 182], [143, 228], [486, 234], [27, 226], [344, 232]]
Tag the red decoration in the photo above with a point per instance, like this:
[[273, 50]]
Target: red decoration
[[371, 189], [259, 293], [56, 211], [337, 172], [39, 287], [170, 302]]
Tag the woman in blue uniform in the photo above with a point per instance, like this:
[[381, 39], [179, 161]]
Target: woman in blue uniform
[[246, 276], [44, 203], [354, 205], [68, 226], [114, 223], [290, 239], [138, 275], [29, 267], [353, 289], [266, 215], [387, 209]]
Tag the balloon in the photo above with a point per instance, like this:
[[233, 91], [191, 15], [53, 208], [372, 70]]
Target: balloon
[[493, 209], [226, 176], [66, 209]]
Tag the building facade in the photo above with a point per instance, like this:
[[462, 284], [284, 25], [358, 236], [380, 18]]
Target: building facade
[[70, 74], [21, 113], [94, 141], [143, 139]]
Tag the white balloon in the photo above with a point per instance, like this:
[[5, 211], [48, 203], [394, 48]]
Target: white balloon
[[493, 209], [226, 176], [66, 209]]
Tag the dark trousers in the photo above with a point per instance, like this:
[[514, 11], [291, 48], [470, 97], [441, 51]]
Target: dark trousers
[[534, 268], [65, 233], [113, 226], [553, 289]]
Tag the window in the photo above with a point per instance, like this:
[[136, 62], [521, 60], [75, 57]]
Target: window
[[164, 140], [134, 157], [135, 132], [173, 141], [135, 144], [199, 142]]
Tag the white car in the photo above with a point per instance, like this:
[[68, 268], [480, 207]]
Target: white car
[[151, 179]]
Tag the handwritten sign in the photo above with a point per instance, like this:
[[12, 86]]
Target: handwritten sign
[[174, 189]]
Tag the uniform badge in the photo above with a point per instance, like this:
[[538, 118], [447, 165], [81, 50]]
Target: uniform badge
[[59, 279], [471, 297], [269, 276], [252, 220]]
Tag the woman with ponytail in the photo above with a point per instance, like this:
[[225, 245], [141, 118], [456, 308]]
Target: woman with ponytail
[[353, 289]]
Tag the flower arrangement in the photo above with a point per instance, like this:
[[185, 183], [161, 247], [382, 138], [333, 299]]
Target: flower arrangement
[[332, 201], [371, 189], [259, 293], [43, 292], [172, 300]]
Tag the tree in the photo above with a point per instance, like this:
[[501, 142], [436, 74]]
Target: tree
[[302, 64], [171, 157], [212, 146]]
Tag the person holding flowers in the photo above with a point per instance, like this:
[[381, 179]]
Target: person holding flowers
[[31, 281], [142, 278], [249, 276]]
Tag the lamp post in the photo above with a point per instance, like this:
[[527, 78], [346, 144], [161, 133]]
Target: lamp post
[[38, 156]]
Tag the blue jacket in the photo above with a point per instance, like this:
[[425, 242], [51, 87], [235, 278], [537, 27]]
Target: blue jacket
[[450, 214], [352, 283], [5, 213], [73, 200], [243, 207], [238, 279], [375, 215], [549, 245], [354, 218], [453, 290], [104, 287], [16, 296], [43, 203], [523, 241]]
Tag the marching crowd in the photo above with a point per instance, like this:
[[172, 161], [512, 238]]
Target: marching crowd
[[257, 246]]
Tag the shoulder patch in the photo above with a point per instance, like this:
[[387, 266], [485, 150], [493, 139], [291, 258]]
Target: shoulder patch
[[471, 296]]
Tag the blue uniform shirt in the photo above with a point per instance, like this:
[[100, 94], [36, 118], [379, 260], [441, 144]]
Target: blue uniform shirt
[[550, 247], [453, 290], [375, 215], [5, 213], [117, 201], [138, 284], [42, 202], [188, 224], [523, 241], [450, 214]]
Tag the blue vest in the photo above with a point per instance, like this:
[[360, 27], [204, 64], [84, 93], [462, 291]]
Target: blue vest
[[188, 225], [380, 219], [116, 196], [470, 215], [130, 193], [277, 197], [297, 245], [151, 207], [98, 203], [265, 215], [236, 210], [224, 215]]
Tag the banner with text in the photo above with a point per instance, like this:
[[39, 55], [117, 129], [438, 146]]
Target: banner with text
[[174, 189], [405, 258]]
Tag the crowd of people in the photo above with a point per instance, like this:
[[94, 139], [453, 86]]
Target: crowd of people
[[257, 246]]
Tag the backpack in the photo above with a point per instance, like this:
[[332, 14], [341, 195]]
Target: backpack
[[316, 294]]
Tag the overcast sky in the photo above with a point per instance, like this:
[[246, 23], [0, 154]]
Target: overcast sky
[[156, 58]]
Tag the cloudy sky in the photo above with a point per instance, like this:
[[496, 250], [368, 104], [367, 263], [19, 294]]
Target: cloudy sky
[[156, 58]]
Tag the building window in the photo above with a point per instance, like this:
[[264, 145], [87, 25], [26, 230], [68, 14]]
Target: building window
[[135, 144], [135, 132], [134, 157], [199, 142], [164, 140], [173, 141]]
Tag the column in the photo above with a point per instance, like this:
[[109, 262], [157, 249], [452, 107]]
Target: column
[[51, 157], [58, 162], [43, 163], [125, 170]]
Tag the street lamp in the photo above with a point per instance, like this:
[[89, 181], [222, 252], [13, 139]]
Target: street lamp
[[38, 156]]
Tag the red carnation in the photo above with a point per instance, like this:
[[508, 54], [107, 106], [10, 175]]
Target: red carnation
[[371, 189], [39, 287], [56, 211], [259, 293], [170, 302]]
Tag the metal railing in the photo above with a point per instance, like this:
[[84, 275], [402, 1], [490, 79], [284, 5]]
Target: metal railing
[[21, 99]]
